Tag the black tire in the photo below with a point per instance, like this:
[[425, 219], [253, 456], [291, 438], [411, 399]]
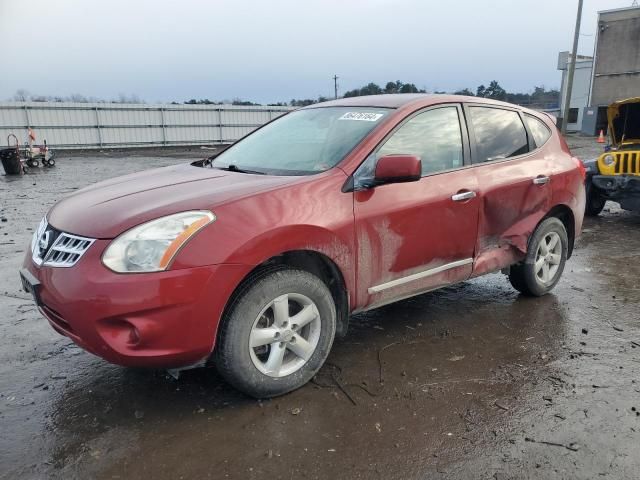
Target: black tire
[[523, 276], [595, 200], [52, 162], [235, 358], [33, 163]]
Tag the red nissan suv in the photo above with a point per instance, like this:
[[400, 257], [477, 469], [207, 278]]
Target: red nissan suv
[[254, 259]]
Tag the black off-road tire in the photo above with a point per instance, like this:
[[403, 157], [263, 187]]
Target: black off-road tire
[[232, 354], [523, 276], [595, 200]]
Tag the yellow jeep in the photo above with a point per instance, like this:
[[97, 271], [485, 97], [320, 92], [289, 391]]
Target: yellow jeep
[[615, 175]]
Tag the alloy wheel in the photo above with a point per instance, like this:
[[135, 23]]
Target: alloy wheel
[[548, 258], [285, 335]]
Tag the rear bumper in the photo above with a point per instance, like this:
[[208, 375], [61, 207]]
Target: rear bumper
[[162, 319]]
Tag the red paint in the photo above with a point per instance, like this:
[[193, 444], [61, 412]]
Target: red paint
[[170, 319], [410, 227], [399, 168]]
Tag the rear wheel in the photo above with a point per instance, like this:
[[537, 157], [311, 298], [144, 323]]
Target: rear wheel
[[545, 260], [595, 200], [277, 333]]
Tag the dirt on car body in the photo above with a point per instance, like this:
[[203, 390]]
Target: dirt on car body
[[472, 381]]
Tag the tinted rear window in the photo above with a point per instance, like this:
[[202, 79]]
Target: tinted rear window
[[538, 129], [499, 134]]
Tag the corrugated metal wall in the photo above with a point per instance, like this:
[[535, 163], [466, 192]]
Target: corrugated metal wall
[[95, 125], [616, 74]]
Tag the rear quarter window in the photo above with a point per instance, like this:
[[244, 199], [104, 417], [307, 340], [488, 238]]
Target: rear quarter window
[[499, 134], [538, 129]]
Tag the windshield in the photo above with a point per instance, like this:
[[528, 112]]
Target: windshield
[[303, 142]]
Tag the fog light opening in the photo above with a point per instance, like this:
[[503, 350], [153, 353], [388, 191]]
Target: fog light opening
[[134, 335]]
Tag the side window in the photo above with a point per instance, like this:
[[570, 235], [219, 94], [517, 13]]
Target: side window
[[538, 129], [434, 136], [499, 133]]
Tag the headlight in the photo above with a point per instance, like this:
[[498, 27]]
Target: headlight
[[609, 160], [150, 247]]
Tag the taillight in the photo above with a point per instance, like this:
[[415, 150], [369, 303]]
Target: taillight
[[581, 167]]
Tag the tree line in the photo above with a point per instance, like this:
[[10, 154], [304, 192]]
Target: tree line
[[23, 95], [539, 97]]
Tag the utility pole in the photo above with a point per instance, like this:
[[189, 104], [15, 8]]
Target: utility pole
[[335, 85], [572, 70]]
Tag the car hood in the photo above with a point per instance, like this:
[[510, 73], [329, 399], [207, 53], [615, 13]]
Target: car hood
[[624, 122], [106, 209]]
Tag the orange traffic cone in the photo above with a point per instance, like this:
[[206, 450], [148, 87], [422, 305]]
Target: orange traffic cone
[[601, 137]]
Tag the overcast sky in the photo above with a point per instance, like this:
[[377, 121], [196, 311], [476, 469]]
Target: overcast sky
[[276, 50]]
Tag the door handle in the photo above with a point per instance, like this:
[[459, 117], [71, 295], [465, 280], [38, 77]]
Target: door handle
[[541, 180], [462, 196]]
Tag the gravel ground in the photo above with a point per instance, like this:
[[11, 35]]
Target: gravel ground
[[472, 381]]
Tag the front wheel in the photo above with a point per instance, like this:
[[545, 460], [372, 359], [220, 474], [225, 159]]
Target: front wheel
[[545, 260], [277, 333], [595, 200]]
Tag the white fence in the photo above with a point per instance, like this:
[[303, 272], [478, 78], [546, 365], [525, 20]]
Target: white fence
[[95, 125]]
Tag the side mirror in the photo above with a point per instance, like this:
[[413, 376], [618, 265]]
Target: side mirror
[[398, 168]]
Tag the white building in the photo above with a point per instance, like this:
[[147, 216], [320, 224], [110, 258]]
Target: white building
[[581, 87]]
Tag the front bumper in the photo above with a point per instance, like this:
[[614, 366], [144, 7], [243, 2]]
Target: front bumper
[[614, 184], [161, 319], [624, 189]]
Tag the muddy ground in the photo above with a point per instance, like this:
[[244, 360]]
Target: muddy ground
[[473, 381]]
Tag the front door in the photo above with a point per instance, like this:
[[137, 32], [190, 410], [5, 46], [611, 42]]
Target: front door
[[417, 236]]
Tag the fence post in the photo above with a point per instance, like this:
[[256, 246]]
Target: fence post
[[27, 116], [220, 123], [164, 127], [98, 127]]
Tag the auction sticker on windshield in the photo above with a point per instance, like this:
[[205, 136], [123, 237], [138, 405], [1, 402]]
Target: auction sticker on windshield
[[363, 116]]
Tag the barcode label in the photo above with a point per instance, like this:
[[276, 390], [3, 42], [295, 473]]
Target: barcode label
[[362, 116]]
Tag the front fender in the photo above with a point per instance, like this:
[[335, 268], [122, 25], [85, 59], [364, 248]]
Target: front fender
[[297, 237], [224, 248]]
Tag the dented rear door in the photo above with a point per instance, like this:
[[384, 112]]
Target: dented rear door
[[514, 181]]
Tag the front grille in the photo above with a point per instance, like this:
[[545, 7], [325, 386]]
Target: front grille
[[54, 248], [627, 163], [67, 250]]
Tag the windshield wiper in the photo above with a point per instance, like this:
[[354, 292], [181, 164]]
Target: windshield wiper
[[235, 168]]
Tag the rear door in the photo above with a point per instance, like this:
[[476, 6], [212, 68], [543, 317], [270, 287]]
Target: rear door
[[417, 236], [514, 180]]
